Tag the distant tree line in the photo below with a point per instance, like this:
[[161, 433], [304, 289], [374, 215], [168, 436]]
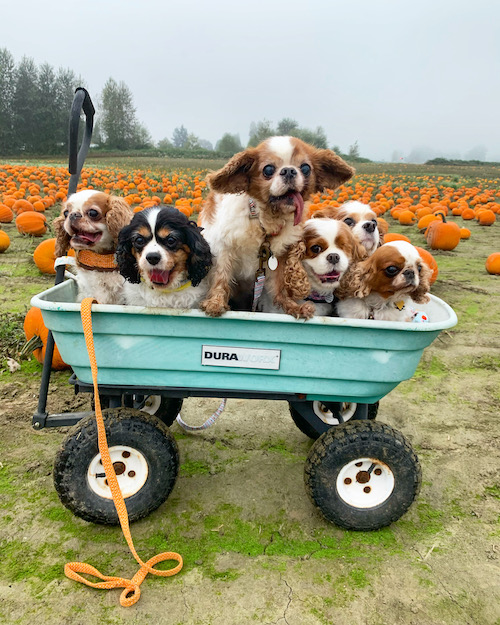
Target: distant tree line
[[457, 161], [35, 102]]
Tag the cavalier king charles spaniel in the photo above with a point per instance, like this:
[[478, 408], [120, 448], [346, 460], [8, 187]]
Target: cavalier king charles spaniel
[[362, 221], [89, 223], [255, 210], [331, 249], [164, 259], [384, 286]]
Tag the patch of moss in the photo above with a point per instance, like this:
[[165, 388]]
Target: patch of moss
[[433, 367], [193, 467]]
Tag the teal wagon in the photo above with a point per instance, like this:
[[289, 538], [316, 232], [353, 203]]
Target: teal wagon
[[360, 473]]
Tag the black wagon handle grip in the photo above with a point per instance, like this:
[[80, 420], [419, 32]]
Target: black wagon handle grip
[[81, 102]]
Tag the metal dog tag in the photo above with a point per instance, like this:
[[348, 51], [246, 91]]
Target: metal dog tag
[[272, 263]]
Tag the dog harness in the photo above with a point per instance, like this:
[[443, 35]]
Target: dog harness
[[265, 256], [96, 262], [314, 296]]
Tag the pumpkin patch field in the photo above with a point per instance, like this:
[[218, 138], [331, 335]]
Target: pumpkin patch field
[[239, 514]]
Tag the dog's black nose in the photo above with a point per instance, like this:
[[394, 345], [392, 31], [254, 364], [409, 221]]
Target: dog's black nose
[[288, 173], [409, 274], [369, 226], [74, 216], [153, 258], [333, 258]]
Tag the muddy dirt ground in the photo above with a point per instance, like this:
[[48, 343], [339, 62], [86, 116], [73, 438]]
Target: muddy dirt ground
[[255, 548]]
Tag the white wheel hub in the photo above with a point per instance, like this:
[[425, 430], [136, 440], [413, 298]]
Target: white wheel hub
[[365, 483], [131, 470], [347, 410], [151, 404]]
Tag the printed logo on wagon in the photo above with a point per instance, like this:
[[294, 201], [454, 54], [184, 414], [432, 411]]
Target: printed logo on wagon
[[248, 358]]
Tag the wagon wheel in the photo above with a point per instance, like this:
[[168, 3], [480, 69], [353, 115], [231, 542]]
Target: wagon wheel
[[314, 418], [362, 475], [145, 457], [165, 408]]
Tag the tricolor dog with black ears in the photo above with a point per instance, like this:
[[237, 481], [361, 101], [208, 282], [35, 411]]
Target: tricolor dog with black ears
[[164, 259]]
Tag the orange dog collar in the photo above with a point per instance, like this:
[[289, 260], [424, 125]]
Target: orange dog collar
[[96, 262]]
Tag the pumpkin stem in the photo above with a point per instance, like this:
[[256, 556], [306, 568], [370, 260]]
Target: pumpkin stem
[[30, 346], [442, 217]]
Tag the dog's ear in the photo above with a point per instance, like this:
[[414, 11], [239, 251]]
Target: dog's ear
[[331, 171], [234, 177], [330, 212], [62, 237], [200, 259], [421, 293], [117, 216], [355, 281], [126, 261]]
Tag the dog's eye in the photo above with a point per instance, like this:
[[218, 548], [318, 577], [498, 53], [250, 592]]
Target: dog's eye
[[316, 249], [391, 271], [350, 222], [269, 170], [139, 241], [305, 169], [93, 214], [66, 213], [171, 241], [375, 222], [419, 267]]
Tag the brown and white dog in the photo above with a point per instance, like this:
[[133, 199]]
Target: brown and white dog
[[361, 219], [331, 249], [257, 200], [89, 223], [383, 286]]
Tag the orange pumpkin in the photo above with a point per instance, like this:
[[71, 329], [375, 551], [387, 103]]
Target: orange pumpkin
[[45, 256], [31, 222], [407, 218], [443, 235], [4, 241], [465, 233], [486, 218], [36, 337], [393, 236], [424, 221], [493, 264], [22, 205], [430, 261], [468, 214], [6, 215]]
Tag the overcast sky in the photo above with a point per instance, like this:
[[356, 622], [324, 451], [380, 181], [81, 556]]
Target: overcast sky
[[394, 75]]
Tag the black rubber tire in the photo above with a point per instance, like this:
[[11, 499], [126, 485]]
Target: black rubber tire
[[124, 426], [319, 427], [167, 411], [342, 445]]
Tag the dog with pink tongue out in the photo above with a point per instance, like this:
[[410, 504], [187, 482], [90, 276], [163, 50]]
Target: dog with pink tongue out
[[252, 219]]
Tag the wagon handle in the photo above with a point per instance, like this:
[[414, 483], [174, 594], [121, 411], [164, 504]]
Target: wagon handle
[[81, 102]]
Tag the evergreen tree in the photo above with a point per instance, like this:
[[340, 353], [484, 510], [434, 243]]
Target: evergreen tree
[[179, 137], [229, 144], [260, 131], [7, 89], [24, 105], [118, 121]]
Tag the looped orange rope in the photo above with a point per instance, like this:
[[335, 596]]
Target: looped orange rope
[[132, 591]]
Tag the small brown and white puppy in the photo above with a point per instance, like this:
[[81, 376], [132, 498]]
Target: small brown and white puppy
[[89, 223], [362, 221], [331, 249], [384, 286], [258, 198]]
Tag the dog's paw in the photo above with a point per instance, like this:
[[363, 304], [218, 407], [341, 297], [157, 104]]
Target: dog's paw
[[307, 310], [214, 307]]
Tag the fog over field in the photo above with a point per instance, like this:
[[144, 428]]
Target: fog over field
[[406, 80]]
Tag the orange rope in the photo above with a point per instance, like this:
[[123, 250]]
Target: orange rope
[[132, 591]]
